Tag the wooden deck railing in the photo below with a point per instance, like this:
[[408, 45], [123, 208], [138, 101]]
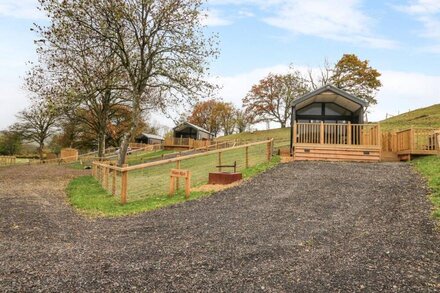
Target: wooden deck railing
[[336, 134], [415, 140], [186, 142]]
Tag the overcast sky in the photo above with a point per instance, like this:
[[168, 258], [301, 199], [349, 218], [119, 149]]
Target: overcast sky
[[399, 38]]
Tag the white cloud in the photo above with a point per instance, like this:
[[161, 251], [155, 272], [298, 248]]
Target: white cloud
[[20, 9], [213, 18], [401, 91], [341, 20], [427, 12]]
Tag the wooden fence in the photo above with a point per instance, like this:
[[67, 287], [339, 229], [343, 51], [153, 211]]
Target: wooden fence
[[336, 134], [412, 141], [151, 178], [186, 142], [7, 160]]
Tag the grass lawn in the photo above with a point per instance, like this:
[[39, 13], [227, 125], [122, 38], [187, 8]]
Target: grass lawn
[[86, 194], [429, 167], [143, 157], [281, 136]]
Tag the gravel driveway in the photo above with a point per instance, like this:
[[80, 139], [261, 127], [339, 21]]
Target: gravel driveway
[[308, 226]]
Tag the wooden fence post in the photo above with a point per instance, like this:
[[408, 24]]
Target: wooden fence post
[[188, 185], [219, 161], [349, 133], [247, 157], [268, 148], [177, 179], [321, 133], [114, 182], [124, 183], [106, 175]]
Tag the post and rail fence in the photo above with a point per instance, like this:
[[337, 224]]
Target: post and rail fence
[[152, 179]]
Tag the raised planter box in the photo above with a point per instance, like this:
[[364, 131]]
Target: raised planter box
[[224, 178]]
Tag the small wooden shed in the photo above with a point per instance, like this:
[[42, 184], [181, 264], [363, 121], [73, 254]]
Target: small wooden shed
[[148, 138], [189, 130]]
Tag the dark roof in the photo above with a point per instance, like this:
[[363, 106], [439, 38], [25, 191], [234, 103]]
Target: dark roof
[[149, 135], [193, 126], [333, 89]]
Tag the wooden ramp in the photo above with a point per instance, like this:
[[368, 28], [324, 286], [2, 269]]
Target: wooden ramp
[[315, 152]]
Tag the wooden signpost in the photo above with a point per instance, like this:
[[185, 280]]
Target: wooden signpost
[[178, 173]]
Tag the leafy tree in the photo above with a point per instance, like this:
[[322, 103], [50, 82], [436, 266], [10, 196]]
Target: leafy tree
[[226, 113], [270, 99], [37, 123], [206, 114], [10, 142], [159, 45], [356, 77], [243, 120]]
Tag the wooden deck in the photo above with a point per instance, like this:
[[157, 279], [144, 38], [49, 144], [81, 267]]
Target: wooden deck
[[177, 143], [360, 142]]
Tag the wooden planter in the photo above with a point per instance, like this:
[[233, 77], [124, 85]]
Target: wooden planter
[[224, 178]]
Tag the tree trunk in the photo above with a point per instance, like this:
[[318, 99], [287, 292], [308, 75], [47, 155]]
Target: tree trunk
[[135, 118], [40, 150], [101, 144], [283, 124]]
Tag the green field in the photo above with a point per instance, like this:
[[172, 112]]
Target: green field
[[87, 195], [420, 118], [155, 180], [429, 167], [281, 136]]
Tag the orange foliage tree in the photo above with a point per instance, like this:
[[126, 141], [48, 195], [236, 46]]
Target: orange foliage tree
[[270, 99]]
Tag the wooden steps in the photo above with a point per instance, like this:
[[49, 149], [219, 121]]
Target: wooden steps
[[336, 153], [389, 157]]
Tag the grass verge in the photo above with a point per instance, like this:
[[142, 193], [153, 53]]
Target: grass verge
[[87, 195], [429, 167]]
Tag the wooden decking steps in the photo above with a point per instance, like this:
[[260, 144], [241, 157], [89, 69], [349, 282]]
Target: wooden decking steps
[[389, 157], [336, 153]]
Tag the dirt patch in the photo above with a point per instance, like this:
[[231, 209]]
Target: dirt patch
[[317, 227], [216, 187]]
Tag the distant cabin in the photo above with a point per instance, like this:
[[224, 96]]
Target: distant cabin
[[148, 138], [189, 130]]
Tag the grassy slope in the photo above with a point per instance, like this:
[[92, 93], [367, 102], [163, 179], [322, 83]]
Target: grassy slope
[[281, 136], [86, 194], [429, 167], [423, 117]]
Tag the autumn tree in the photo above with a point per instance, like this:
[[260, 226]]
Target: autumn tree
[[159, 45], [206, 115], [243, 120], [270, 99], [356, 77], [37, 123], [10, 142], [226, 113]]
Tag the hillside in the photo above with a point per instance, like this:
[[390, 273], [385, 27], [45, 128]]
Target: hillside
[[423, 117], [281, 136]]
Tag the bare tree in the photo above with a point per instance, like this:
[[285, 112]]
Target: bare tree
[[159, 44], [37, 123]]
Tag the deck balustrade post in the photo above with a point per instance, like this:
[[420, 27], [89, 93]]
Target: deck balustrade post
[[321, 133], [349, 133]]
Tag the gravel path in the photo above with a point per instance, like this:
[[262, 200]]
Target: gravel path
[[318, 227]]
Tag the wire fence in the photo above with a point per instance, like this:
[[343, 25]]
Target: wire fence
[[152, 179]]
